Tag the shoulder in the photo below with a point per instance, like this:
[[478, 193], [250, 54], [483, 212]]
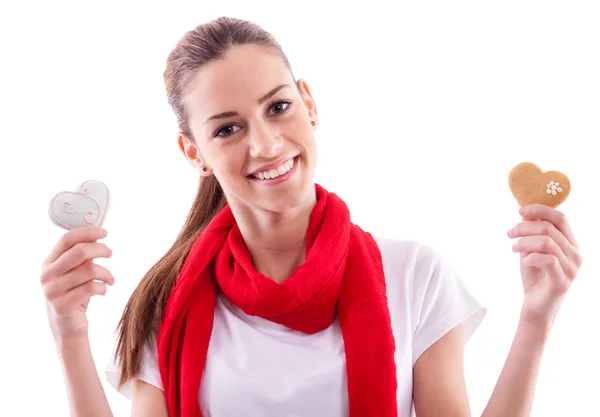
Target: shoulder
[[415, 270], [412, 259], [421, 268], [424, 288]]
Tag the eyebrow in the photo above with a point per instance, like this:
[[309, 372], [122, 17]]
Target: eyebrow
[[261, 100]]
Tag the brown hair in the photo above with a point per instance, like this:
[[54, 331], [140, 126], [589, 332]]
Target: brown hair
[[144, 310]]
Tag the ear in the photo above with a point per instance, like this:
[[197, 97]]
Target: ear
[[192, 154], [308, 100]]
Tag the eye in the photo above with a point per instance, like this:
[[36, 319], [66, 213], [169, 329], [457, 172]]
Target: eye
[[280, 106], [227, 130]]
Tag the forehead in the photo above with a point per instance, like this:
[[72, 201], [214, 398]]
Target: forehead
[[239, 79]]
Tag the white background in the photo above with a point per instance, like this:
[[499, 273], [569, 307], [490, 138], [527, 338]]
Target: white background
[[425, 107]]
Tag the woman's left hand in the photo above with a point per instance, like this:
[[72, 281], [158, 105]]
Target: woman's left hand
[[550, 261]]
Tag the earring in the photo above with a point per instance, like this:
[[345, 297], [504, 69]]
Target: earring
[[312, 122], [204, 169]]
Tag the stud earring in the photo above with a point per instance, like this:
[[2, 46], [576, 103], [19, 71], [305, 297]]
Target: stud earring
[[312, 122], [204, 169]]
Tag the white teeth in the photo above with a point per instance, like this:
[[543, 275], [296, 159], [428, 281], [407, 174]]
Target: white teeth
[[275, 172]]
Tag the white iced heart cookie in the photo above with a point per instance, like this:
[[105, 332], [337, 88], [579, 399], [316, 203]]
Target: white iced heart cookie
[[87, 206]]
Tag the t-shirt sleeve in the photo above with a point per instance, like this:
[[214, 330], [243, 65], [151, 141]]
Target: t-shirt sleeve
[[148, 369], [440, 301]]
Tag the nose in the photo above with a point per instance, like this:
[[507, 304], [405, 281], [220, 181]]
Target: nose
[[264, 142]]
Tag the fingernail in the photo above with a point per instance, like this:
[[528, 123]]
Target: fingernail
[[104, 232]]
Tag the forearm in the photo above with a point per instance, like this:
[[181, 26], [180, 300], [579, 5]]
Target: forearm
[[84, 389], [514, 392]]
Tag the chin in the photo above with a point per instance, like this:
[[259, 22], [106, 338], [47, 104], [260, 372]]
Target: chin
[[287, 200]]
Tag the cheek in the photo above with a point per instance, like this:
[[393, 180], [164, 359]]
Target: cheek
[[300, 129], [232, 160], [301, 119]]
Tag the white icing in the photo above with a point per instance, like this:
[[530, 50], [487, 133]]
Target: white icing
[[87, 206], [553, 188]]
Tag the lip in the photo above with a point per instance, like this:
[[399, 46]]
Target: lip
[[279, 179], [272, 165]]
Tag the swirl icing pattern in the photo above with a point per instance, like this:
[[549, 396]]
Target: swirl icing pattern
[[87, 206]]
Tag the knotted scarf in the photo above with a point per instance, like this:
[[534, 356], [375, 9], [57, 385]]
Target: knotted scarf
[[342, 276]]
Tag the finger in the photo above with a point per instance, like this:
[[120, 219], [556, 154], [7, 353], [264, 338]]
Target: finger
[[77, 255], [70, 301], [72, 237], [557, 218], [545, 245], [545, 228], [87, 271], [551, 265]]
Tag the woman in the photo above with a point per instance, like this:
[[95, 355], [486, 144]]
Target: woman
[[271, 302]]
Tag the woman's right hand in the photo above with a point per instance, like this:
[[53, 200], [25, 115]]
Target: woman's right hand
[[70, 278]]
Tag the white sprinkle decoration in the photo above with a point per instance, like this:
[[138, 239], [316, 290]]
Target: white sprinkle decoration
[[553, 188]]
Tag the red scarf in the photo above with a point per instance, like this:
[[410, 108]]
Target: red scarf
[[342, 275]]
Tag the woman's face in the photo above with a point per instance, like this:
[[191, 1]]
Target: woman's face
[[252, 129]]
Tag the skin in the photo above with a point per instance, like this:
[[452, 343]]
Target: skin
[[549, 263], [273, 221], [549, 260]]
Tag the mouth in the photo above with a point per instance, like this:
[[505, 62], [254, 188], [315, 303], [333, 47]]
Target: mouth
[[276, 175]]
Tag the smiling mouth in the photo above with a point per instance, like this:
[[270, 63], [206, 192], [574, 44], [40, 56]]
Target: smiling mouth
[[275, 173]]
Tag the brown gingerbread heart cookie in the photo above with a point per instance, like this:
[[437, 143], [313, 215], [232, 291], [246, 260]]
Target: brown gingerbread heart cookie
[[530, 185]]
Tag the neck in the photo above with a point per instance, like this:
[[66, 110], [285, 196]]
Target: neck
[[276, 240]]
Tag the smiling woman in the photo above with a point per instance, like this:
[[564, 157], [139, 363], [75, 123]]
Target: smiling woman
[[247, 114], [303, 274], [271, 302]]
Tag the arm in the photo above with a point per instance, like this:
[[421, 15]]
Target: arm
[[439, 384], [513, 394], [148, 401], [84, 389], [69, 279], [550, 261], [439, 388]]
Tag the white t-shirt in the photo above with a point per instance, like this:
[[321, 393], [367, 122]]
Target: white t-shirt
[[257, 368]]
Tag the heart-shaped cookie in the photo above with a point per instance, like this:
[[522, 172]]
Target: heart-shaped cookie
[[530, 185], [87, 206]]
